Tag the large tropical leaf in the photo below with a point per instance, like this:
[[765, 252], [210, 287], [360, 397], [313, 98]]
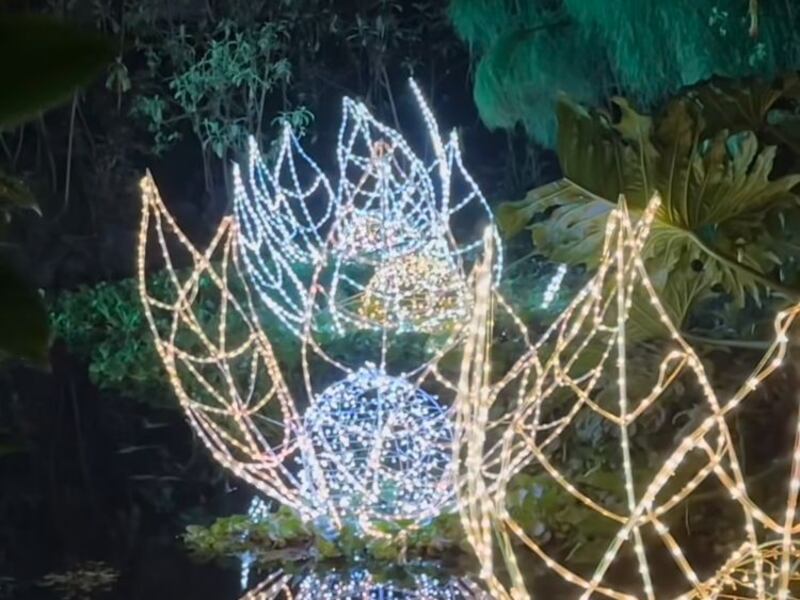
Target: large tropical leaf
[[755, 105], [711, 231]]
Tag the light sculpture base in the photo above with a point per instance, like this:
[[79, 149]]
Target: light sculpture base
[[360, 584]]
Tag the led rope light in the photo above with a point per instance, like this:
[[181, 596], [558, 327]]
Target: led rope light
[[490, 450], [385, 208], [384, 447], [257, 512], [339, 463]]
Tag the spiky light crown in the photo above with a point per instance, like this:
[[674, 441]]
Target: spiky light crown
[[387, 207]]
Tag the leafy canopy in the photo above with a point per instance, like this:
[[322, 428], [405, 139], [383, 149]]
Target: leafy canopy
[[722, 225], [530, 50], [43, 62]]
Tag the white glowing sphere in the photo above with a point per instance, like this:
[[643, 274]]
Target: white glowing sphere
[[382, 450]]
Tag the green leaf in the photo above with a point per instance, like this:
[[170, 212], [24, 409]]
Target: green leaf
[[43, 62], [717, 197], [24, 325], [581, 135], [737, 105]]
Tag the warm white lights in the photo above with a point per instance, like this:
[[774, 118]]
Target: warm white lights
[[370, 447], [360, 584], [580, 369]]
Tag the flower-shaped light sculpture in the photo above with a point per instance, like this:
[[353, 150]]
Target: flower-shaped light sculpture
[[580, 371], [388, 204], [282, 214], [230, 385]]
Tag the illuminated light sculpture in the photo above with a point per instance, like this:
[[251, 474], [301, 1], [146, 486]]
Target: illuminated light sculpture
[[359, 584], [388, 205], [230, 386], [578, 368], [384, 446], [553, 286], [278, 231], [398, 295], [257, 512]]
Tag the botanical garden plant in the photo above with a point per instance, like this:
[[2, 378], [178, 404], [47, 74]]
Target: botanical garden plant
[[724, 229]]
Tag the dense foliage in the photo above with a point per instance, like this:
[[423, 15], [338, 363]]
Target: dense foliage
[[725, 234], [282, 536], [42, 61], [530, 50]]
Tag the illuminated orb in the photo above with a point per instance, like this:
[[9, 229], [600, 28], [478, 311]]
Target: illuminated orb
[[383, 448], [416, 292]]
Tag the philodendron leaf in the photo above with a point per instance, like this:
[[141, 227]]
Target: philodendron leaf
[[513, 217], [735, 105], [717, 194], [42, 62], [24, 323], [583, 134]]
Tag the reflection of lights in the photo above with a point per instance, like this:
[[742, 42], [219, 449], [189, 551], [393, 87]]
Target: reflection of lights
[[496, 441], [387, 204], [554, 286], [257, 512], [383, 447], [359, 584]]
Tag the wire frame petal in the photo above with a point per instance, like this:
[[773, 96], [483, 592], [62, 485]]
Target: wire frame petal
[[220, 364], [580, 369]]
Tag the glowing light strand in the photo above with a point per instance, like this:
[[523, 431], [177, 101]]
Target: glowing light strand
[[362, 585], [384, 209], [387, 465], [490, 451]]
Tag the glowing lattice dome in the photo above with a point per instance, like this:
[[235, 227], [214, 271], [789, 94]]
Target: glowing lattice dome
[[359, 584], [384, 448], [370, 237], [418, 292], [528, 417]]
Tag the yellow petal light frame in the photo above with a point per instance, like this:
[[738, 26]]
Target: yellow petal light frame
[[328, 459], [513, 420]]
